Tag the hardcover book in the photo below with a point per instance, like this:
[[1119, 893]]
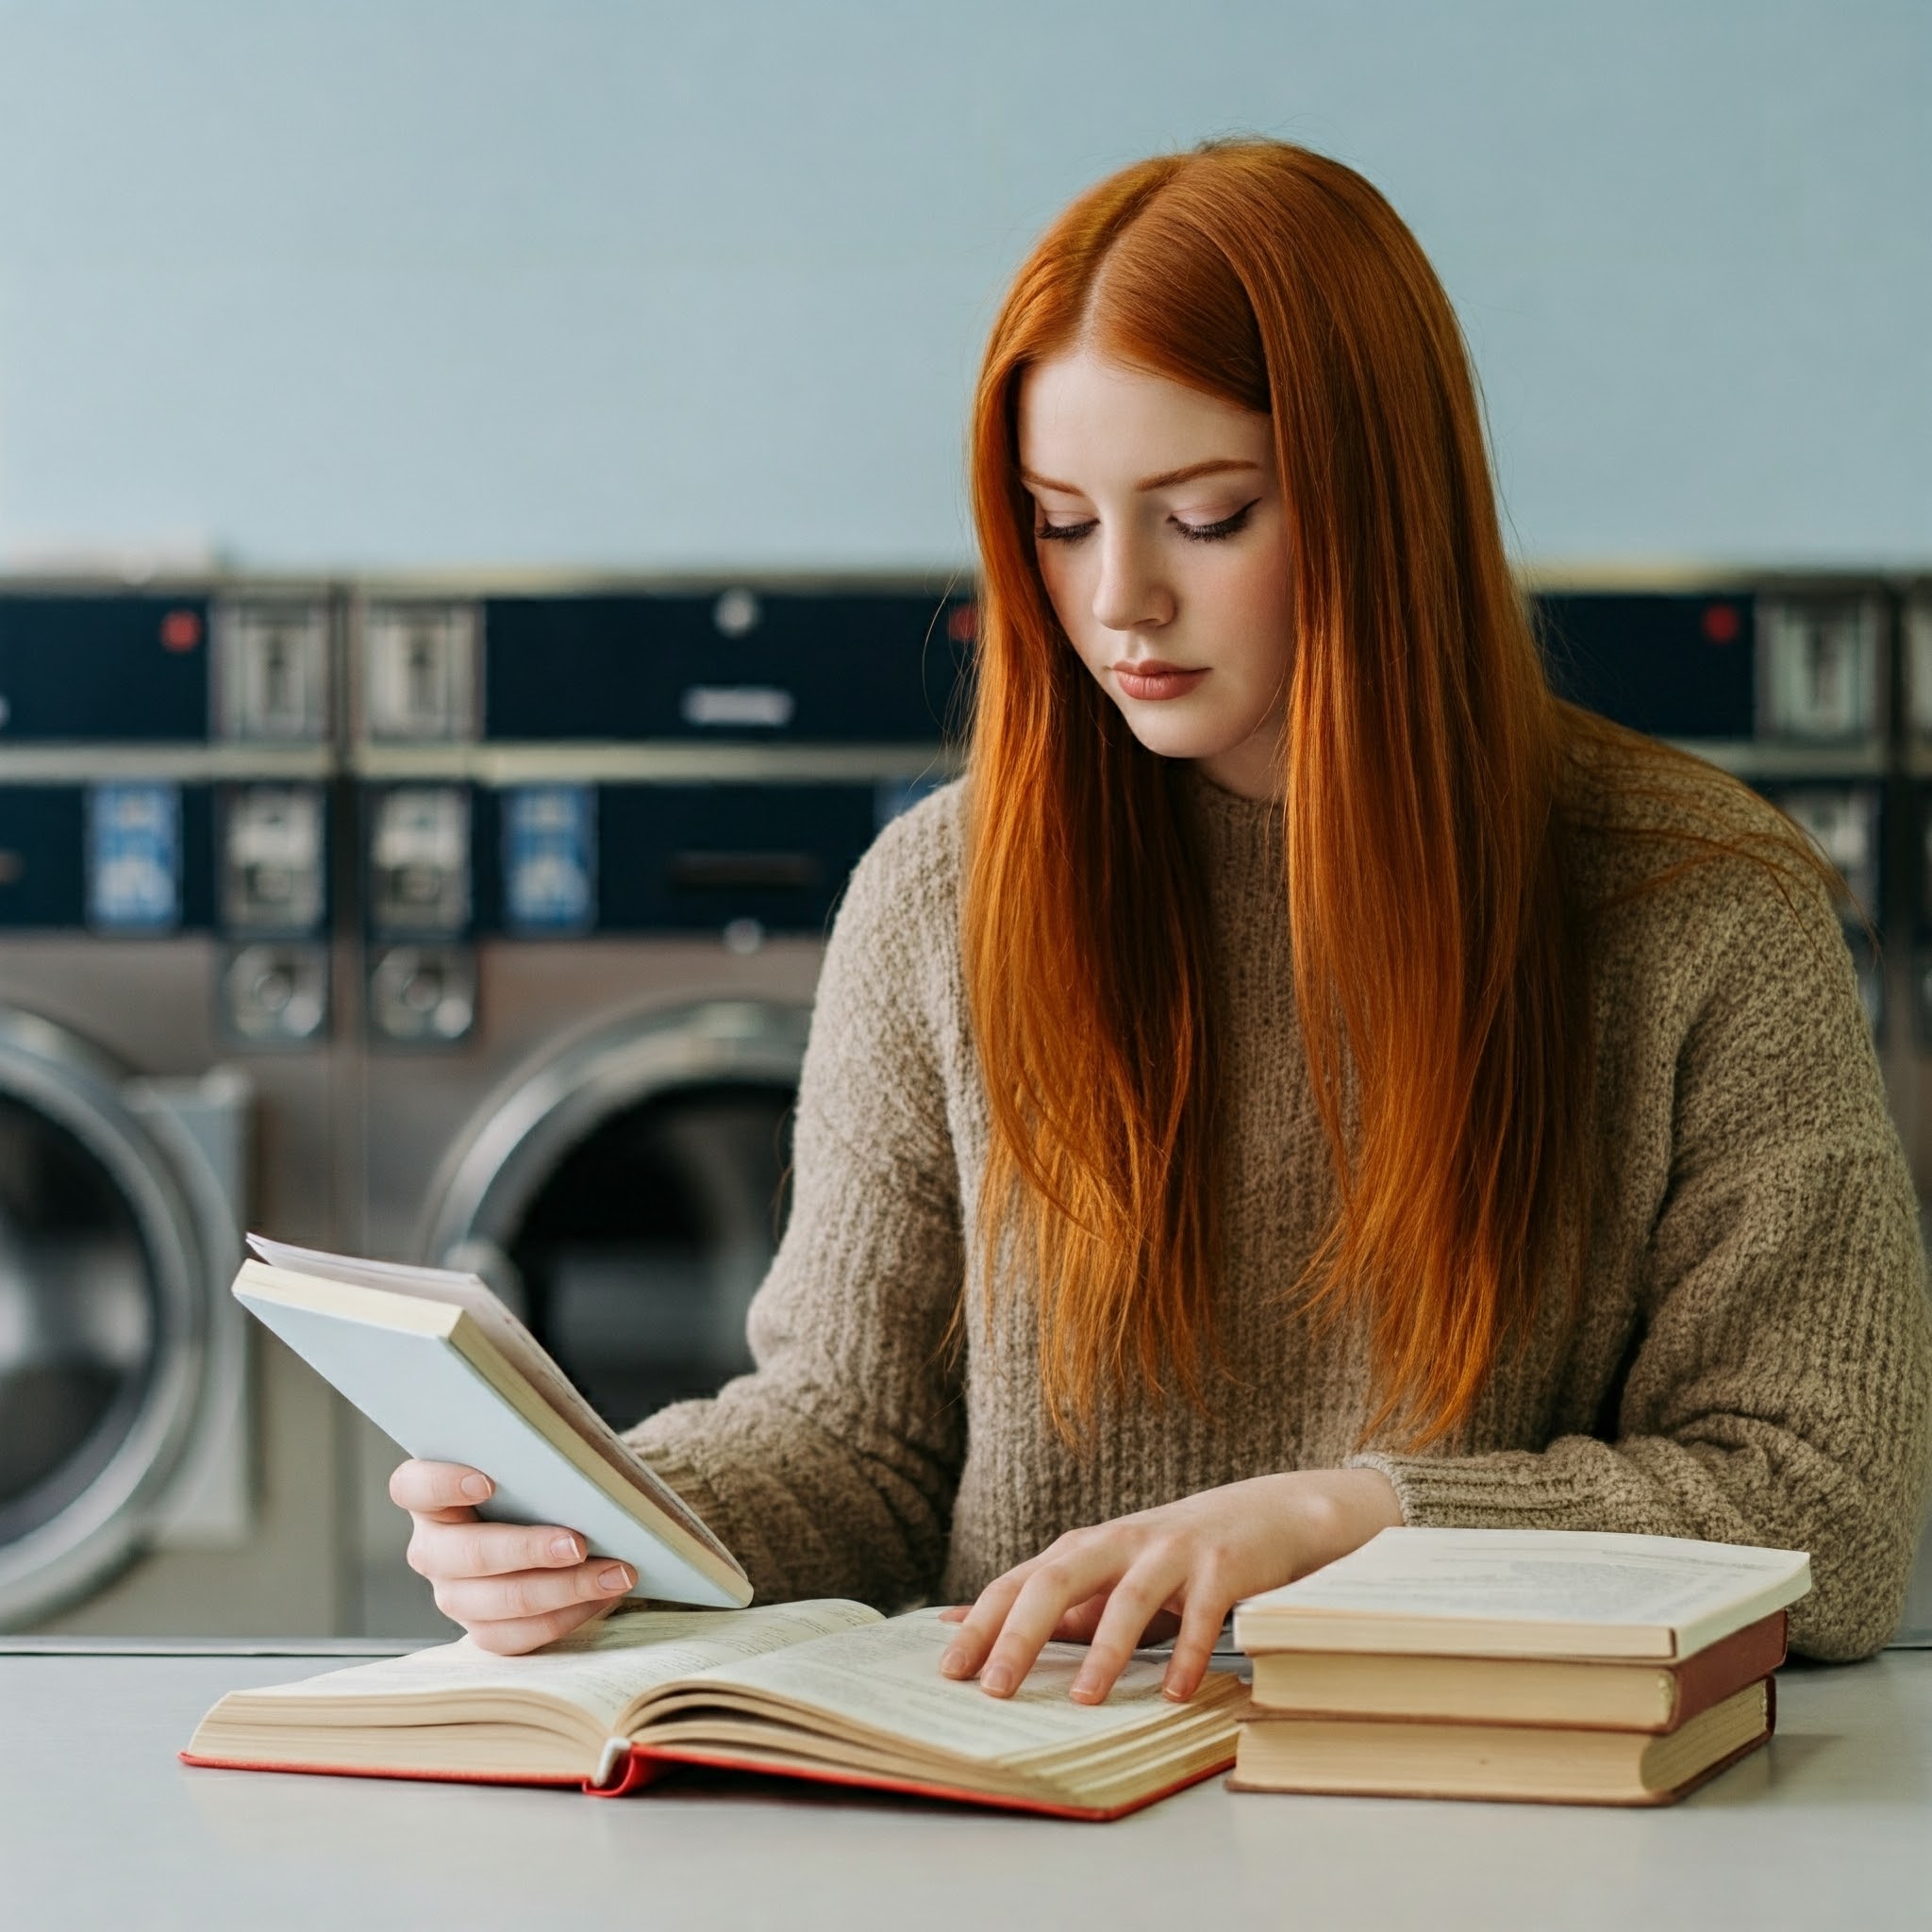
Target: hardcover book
[[1521, 1763], [1582, 1694], [438, 1362], [825, 1690], [1526, 1592]]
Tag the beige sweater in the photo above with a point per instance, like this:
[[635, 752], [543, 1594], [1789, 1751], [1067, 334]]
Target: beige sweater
[[1750, 1364]]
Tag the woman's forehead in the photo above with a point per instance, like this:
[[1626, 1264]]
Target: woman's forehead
[[1083, 410]]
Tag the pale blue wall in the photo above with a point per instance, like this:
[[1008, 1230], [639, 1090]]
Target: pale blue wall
[[652, 285]]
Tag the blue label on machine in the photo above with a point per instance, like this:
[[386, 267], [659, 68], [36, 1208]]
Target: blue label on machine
[[134, 857], [549, 858]]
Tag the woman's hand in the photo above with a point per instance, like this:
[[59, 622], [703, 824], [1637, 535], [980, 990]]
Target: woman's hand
[[511, 1588], [1193, 1560]]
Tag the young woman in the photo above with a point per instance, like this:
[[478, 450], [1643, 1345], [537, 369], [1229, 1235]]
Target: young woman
[[1304, 1077]]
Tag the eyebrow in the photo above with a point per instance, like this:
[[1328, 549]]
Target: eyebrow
[[1214, 466]]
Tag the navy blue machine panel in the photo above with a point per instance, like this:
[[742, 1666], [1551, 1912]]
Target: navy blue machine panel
[[105, 667], [55, 843], [1922, 860], [692, 858], [1675, 666], [695, 857], [774, 667]]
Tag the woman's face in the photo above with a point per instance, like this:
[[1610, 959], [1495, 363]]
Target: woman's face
[[1163, 540]]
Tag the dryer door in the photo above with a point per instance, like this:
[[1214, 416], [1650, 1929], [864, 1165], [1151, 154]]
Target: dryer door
[[105, 1251], [626, 1195]]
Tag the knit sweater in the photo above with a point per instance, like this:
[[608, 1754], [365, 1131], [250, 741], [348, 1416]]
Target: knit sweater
[[1751, 1362]]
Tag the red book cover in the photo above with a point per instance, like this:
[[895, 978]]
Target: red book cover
[[643, 1767]]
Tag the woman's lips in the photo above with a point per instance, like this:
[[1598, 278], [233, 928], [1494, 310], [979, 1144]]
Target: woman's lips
[[1151, 678]]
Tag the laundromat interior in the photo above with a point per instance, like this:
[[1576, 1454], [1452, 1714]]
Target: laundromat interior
[[482, 559]]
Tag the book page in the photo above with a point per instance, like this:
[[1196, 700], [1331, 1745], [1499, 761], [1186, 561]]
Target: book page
[[601, 1669], [887, 1678], [499, 1321], [1542, 1577]]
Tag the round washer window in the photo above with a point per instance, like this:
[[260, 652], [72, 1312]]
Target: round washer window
[[640, 1250], [79, 1319]]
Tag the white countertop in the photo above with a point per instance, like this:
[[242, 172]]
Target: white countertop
[[100, 1826]]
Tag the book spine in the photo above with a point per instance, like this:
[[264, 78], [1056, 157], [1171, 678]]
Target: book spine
[[1711, 1675]]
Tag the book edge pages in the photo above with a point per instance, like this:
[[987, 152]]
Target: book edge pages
[[832, 1774], [1526, 1793], [458, 1328], [1369, 1632], [1274, 1620], [449, 1287], [477, 1348], [735, 1703], [1623, 1801], [639, 1766], [1760, 1659], [202, 1761], [1649, 1800], [1266, 1710]]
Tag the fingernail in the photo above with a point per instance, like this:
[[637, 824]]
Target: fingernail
[[1171, 1687], [953, 1664], [475, 1487], [615, 1577], [564, 1548], [1085, 1689], [996, 1679]]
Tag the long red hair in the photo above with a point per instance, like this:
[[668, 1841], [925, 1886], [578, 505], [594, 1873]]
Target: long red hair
[[1438, 964]]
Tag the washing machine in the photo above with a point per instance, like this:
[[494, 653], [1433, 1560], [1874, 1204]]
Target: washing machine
[[1915, 783], [166, 789], [1787, 683], [602, 831]]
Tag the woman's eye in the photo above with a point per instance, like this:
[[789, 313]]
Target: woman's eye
[[1210, 533], [1062, 533]]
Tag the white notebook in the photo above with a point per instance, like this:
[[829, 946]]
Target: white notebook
[[435, 1360]]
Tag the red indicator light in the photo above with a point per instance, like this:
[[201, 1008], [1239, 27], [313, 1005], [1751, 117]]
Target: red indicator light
[[963, 623], [180, 631], [1722, 623]]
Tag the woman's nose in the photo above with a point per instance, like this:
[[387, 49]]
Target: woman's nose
[[1130, 593]]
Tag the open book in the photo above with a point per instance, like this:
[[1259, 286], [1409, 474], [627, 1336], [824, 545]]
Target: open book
[[828, 1691], [436, 1360]]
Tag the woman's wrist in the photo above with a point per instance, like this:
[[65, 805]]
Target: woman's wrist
[[1332, 1511]]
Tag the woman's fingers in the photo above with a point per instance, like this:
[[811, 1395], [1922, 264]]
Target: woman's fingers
[[980, 1622], [531, 1593], [444, 1551], [515, 1636], [1056, 1583], [1131, 1606], [425, 1485], [1201, 1621], [1081, 1621], [514, 1586]]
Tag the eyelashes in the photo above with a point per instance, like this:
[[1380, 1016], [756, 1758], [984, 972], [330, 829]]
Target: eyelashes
[[1228, 527], [1192, 533]]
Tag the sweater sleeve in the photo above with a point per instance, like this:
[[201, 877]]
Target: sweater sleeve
[[1777, 1389], [830, 1469]]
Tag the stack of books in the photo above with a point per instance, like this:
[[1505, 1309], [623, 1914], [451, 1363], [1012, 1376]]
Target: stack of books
[[1548, 1666]]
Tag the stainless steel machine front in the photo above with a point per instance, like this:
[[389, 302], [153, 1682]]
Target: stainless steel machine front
[[165, 772], [603, 833]]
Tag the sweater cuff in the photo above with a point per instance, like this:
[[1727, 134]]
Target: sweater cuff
[[657, 1442], [1513, 1490]]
